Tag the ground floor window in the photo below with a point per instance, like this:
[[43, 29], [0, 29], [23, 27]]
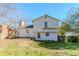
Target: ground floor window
[[47, 34], [27, 31]]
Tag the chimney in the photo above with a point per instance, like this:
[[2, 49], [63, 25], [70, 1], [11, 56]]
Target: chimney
[[22, 24]]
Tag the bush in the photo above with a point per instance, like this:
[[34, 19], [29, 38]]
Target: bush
[[68, 38], [72, 38]]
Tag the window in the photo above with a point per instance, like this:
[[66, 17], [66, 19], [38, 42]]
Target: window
[[47, 34], [45, 24], [38, 35], [27, 31], [55, 24]]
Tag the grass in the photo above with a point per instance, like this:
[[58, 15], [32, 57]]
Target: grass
[[45, 48]]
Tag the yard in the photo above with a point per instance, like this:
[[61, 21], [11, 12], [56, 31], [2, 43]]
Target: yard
[[22, 47]]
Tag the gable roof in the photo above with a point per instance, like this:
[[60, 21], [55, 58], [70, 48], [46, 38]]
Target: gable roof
[[30, 26], [46, 17]]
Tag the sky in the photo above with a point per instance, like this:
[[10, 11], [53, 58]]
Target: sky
[[31, 11]]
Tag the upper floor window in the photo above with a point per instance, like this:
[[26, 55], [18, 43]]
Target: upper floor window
[[55, 23], [45, 24]]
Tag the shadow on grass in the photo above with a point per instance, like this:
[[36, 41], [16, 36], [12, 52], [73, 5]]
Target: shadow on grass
[[58, 45]]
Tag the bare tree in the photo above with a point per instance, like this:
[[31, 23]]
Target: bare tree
[[73, 19], [5, 10]]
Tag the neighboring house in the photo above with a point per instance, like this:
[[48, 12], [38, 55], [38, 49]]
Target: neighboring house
[[24, 31], [43, 28], [71, 32]]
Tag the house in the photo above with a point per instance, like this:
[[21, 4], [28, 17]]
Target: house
[[24, 31], [46, 28]]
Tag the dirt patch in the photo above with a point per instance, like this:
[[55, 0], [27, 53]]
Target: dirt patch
[[20, 42]]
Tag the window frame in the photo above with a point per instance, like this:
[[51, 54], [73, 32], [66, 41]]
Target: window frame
[[39, 35], [47, 34], [45, 24], [55, 24]]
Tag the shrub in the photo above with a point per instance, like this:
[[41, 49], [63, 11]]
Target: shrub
[[66, 39], [72, 38]]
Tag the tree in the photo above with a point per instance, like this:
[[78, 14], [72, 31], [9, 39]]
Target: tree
[[6, 11], [73, 18], [64, 27]]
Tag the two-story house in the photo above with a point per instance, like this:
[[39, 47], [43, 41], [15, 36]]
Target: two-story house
[[46, 28]]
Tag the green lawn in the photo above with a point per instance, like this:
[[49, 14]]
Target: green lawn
[[46, 48]]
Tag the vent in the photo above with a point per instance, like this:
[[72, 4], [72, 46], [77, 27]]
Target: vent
[[45, 16]]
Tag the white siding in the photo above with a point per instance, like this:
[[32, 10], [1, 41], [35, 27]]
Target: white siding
[[25, 32], [52, 36]]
